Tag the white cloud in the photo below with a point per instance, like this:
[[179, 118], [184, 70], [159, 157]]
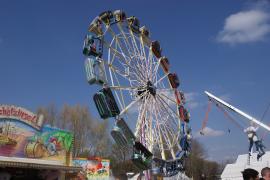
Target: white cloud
[[245, 26], [191, 100], [209, 132]]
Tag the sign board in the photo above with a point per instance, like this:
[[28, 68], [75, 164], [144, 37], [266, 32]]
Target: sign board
[[93, 168], [23, 135], [21, 114]]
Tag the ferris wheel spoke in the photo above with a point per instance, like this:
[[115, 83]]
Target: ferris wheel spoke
[[167, 108], [135, 72], [151, 62], [115, 69], [126, 49], [119, 25], [122, 57], [159, 135], [142, 45], [168, 132], [142, 110], [109, 54], [165, 90], [121, 91], [123, 74], [139, 68], [133, 68], [149, 124], [148, 65], [154, 72], [160, 79], [143, 51], [120, 45], [165, 96], [166, 137], [165, 104], [116, 52], [174, 133], [125, 110], [117, 96], [156, 66], [134, 43], [123, 88], [161, 116], [140, 57]]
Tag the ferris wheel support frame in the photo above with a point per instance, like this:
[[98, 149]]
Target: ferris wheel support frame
[[232, 108]]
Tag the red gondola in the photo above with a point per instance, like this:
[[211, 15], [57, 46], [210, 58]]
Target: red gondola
[[174, 80]]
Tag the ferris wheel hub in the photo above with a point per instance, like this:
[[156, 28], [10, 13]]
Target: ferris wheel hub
[[149, 88]]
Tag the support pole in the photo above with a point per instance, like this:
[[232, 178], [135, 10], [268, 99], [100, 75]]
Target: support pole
[[234, 109]]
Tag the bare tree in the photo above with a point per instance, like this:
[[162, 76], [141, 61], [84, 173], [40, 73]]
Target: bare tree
[[50, 114], [197, 166]]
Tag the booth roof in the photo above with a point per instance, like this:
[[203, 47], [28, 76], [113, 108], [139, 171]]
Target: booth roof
[[36, 164]]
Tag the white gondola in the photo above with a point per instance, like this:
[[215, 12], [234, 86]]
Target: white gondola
[[95, 71]]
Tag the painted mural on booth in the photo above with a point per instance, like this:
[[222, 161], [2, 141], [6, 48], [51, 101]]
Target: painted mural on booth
[[23, 135], [93, 168]]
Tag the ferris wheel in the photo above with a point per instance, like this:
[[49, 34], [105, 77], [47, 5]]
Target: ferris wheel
[[136, 85]]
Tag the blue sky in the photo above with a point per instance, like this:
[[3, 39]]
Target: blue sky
[[219, 46]]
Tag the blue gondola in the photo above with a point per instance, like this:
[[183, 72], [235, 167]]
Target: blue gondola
[[92, 46]]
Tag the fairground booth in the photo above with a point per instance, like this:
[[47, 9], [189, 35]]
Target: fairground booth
[[31, 150]]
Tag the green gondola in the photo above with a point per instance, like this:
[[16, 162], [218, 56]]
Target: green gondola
[[142, 157], [119, 137], [101, 104], [106, 104], [126, 130]]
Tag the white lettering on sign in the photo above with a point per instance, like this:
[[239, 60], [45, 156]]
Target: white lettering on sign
[[21, 114]]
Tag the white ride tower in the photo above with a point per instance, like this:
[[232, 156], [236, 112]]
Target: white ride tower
[[233, 171]]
